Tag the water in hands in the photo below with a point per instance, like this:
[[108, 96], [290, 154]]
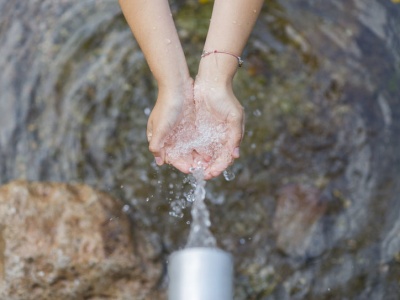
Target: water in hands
[[198, 138]]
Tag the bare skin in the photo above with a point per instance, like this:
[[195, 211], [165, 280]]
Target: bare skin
[[161, 46], [230, 27]]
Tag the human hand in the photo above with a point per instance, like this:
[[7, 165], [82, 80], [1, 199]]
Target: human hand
[[196, 127], [171, 118], [220, 123]]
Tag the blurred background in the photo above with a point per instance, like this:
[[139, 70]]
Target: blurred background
[[313, 211]]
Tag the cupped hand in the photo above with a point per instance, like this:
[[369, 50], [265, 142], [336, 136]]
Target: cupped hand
[[220, 123], [200, 126], [173, 111]]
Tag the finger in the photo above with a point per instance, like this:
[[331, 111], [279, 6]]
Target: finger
[[220, 164], [236, 125], [204, 157], [159, 161], [182, 166], [236, 152], [149, 131], [184, 163], [156, 144], [200, 160], [159, 156], [207, 176]]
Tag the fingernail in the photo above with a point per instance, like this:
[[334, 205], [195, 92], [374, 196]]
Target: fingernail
[[236, 152], [159, 161]]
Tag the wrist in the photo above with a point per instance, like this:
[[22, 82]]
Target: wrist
[[175, 91], [218, 68], [174, 81]]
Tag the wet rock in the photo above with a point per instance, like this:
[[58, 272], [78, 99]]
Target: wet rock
[[296, 220], [391, 244], [62, 241]]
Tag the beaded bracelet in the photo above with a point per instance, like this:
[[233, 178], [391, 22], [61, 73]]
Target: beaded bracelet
[[206, 53]]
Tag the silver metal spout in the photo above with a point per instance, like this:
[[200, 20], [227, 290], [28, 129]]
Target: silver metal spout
[[200, 274]]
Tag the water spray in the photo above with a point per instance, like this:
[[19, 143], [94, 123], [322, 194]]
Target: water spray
[[201, 271]]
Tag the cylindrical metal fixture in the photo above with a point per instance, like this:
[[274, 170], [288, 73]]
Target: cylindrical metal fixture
[[200, 274]]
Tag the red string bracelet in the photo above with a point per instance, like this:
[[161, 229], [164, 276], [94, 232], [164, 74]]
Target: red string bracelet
[[206, 53]]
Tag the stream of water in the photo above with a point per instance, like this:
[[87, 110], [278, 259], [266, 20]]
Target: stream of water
[[200, 235]]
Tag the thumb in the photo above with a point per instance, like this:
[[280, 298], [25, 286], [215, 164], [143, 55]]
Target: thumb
[[156, 142]]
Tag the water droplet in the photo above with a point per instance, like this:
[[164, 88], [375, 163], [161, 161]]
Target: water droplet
[[229, 175], [218, 200], [126, 208], [188, 222], [190, 197], [242, 241], [257, 113], [147, 199], [176, 214], [168, 41], [147, 111], [253, 146]]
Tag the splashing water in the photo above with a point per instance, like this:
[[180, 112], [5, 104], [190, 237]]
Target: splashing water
[[229, 175], [200, 235], [198, 135]]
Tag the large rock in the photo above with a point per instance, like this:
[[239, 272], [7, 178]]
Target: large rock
[[296, 221], [62, 241]]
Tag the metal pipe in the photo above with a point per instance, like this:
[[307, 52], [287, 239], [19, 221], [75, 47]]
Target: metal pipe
[[200, 274]]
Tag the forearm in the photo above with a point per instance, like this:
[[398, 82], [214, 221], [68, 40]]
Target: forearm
[[154, 29], [231, 24]]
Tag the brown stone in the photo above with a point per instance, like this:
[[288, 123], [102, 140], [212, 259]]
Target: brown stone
[[67, 241], [296, 217]]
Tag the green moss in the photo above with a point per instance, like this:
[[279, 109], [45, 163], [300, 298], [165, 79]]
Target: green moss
[[193, 21]]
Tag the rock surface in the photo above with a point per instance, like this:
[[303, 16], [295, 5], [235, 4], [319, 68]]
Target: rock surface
[[296, 219], [66, 241]]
